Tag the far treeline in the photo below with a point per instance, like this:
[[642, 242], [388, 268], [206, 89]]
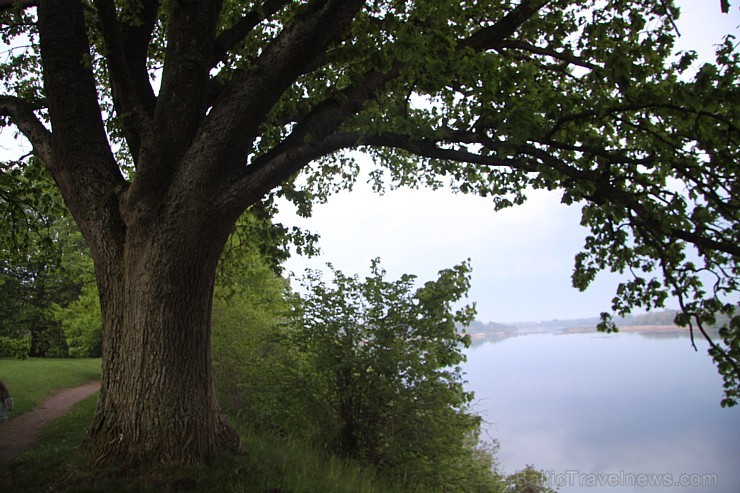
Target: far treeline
[[662, 318], [480, 332]]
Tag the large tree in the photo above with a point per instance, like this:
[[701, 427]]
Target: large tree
[[161, 122]]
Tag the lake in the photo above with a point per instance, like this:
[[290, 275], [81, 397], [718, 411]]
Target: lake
[[608, 412]]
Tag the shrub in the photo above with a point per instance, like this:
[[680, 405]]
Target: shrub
[[18, 347], [385, 357], [82, 324]]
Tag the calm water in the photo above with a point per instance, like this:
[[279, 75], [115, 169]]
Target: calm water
[[602, 412]]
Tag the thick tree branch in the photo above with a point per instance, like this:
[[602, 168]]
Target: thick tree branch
[[491, 37], [430, 149], [605, 190], [81, 162], [233, 122], [181, 105], [22, 115], [314, 132], [322, 23], [231, 37], [272, 169], [136, 38], [133, 99], [326, 117], [271, 173]]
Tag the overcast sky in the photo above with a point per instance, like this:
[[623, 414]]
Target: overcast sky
[[522, 258]]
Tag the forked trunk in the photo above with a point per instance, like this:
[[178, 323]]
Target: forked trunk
[[157, 402]]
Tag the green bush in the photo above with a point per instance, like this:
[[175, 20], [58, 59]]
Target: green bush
[[82, 324], [19, 347], [256, 371], [50, 343], [385, 361]]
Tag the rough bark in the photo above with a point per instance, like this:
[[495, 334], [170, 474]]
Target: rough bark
[[157, 402]]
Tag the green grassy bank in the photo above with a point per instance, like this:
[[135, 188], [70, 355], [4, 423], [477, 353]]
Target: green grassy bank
[[58, 462], [32, 380]]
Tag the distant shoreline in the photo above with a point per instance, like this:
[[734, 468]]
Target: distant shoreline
[[499, 335], [661, 322], [629, 328]]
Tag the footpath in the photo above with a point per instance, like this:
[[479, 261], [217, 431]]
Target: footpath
[[20, 434]]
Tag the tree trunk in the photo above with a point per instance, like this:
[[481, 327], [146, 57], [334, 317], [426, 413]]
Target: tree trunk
[[155, 240], [157, 401]]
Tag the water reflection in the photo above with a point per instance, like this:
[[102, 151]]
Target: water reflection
[[665, 334], [584, 405]]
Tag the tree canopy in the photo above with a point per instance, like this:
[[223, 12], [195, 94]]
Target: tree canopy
[[161, 122]]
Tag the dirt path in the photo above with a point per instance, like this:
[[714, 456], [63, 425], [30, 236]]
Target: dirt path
[[20, 434]]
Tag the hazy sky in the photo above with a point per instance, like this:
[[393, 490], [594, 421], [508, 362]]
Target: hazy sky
[[522, 258]]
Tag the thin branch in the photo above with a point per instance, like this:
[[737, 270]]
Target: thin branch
[[689, 314], [611, 156], [638, 107], [12, 4], [670, 17], [607, 192], [430, 149], [558, 55], [231, 37]]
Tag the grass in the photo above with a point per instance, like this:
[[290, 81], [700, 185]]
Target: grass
[[58, 462], [268, 465], [32, 380]]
